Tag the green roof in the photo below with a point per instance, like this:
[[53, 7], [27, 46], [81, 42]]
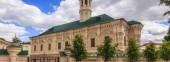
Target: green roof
[[77, 24], [93, 54], [62, 53], [120, 55], [133, 22], [5, 52], [23, 52]]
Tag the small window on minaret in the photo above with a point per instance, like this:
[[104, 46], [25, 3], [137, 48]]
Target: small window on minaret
[[86, 2], [82, 3]]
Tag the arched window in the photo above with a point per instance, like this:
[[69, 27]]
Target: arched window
[[41, 47], [49, 46], [34, 47]]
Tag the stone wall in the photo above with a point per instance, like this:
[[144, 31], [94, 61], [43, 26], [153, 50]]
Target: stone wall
[[22, 58], [6, 58], [118, 30]]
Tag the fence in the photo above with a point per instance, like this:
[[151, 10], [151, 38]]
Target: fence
[[43, 59]]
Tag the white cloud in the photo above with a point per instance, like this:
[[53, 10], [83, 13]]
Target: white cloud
[[8, 31], [140, 10], [153, 31]]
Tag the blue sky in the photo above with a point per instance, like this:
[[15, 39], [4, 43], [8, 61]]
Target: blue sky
[[31, 17], [45, 6]]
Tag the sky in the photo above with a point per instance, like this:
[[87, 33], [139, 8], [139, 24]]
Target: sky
[[29, 18]]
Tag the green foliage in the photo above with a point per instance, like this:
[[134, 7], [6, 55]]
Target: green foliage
[[3, 39], [166, 3], [167, 37], [133, 51], [150, 53], [106, 51], [79, 51], [165, 51]]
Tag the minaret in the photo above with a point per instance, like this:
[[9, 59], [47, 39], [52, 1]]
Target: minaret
[[85, 10]]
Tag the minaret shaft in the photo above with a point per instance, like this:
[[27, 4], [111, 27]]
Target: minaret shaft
[[85, 10]]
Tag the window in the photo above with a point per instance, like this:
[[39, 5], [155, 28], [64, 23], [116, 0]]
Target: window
[[86, 2], [49, 46], [93, 42], [59, 45], [34, 47], [66, 43], [125, 41], [106, 37], [82, 3], [41, 47]]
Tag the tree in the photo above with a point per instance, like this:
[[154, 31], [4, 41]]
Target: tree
[[165, 51], [133, 51], [150, 53], [107, 51], [166, 3], [79, 51], [167, 37]]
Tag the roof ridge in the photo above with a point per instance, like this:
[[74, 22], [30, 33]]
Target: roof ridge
[[76, 24], [79, 20]]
